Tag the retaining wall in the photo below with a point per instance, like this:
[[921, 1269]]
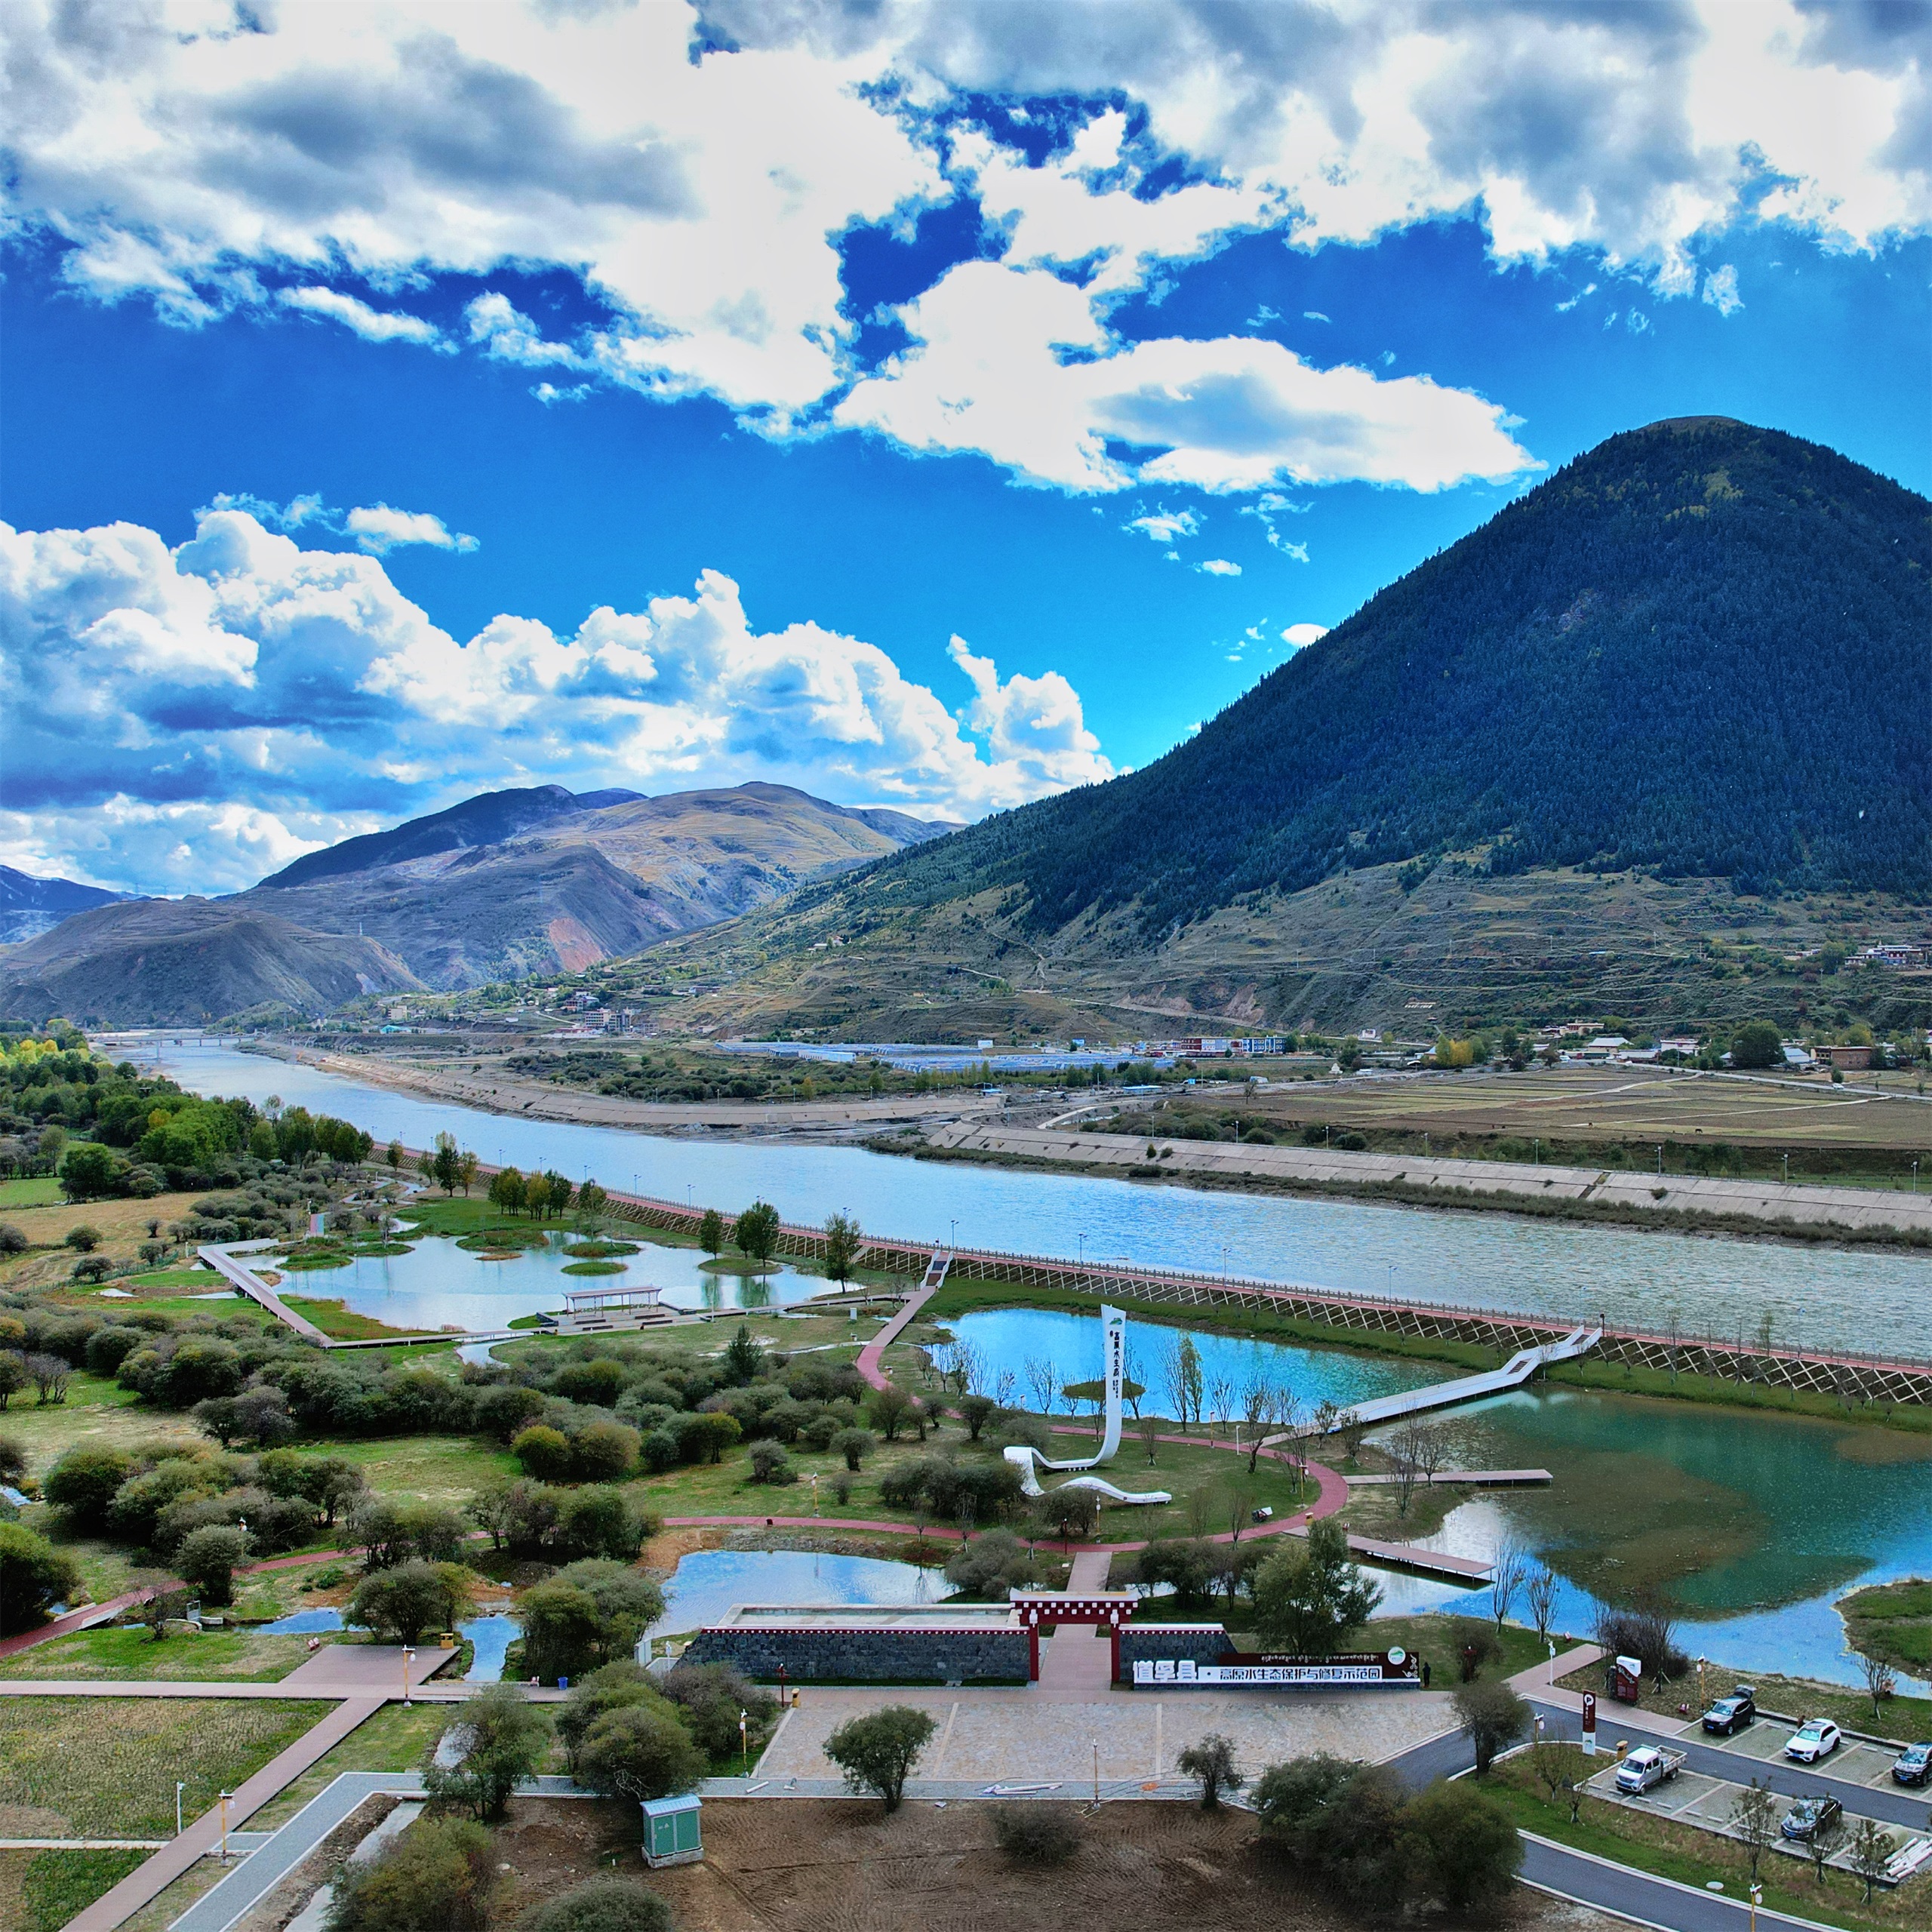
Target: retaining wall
[[867, 1657]]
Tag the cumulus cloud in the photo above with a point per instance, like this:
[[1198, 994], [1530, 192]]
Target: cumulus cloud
[[1720, 290], [695, 166], [379, 529], [1166, 526], [1300, 636], [1219, 567], [189, 719]]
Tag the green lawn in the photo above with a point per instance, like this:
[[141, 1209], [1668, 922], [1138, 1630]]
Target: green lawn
[[48, 1889], [44, 1191], [245, 1657], [394, 1740], [106, 1767], [447, 1469]]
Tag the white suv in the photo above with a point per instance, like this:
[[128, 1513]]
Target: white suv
[[1815, 1738]]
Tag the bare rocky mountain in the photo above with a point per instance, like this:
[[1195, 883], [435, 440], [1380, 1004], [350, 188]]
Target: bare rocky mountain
[[504, 885], [29, 906]]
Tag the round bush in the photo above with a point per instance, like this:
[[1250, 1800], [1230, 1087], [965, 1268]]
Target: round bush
[[545, 1454], [600, 1904], [1036, 1834]]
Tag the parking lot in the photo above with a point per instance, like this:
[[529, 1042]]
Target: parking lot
[[1856, 1763]]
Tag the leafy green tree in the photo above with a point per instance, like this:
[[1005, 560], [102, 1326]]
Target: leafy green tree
[[854, 1445], [976, 1411], [592, 1203], [1307, 1600], [591, 1613], [506, 1190], [91, 1172], [13, 1377], [1757, 1043], [208, 1558], [502, 1739], [1492, 1717], [439, 1876], [842, 1242], [877, 1751], [404, 1602], [639, 1752], [711, 1231], [536, 1197], [889, 1409], [544, 1452], [1465, 1847], [1343, 1822], [600, 1904], [34, 1576], [561, 1192], [755, 1232], [743, 1357], [446, 1163], [609, 1688]]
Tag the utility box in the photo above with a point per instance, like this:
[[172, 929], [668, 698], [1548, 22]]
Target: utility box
[[673, 1833]]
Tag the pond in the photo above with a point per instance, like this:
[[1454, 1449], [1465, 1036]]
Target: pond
[[491, 1636], [438, 1284], [708, 1583], [1010, 1337], [1816, 1295]]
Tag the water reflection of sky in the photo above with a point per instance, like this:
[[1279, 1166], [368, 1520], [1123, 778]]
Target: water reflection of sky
[[709, 1583], [1009, 1337], [438, 1284]]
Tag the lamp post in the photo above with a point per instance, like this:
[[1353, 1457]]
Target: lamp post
[[408, 1658], [225, 1797], [1757, 1899], [180, 1785]]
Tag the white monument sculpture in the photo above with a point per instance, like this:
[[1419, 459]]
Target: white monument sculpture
[[1028, 1462]]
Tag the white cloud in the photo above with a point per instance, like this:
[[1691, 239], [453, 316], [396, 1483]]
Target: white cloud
[[198, 155], [1313, 315], [371, 324], [547, 393], [1219, 567], [1720, 290], [379, 529], [1166, 526], [1014, 364], [189, 720], [1298, 637]]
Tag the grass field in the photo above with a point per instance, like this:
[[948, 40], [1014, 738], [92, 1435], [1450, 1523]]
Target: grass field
[[106, 1767], [394, 1740], [1702, 1859], [43, 1191], [41, 1891], [340, 1324], [1904, 1718], [1894, 1621], [216, 1655]]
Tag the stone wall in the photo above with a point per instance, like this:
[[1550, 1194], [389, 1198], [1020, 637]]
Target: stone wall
[[1200, 1643], [868, 1657]]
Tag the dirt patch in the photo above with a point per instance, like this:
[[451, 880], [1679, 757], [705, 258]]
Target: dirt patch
[[812, 1865], [276, 1908]]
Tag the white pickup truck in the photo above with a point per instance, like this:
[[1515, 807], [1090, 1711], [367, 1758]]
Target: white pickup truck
[[1649, 1765]]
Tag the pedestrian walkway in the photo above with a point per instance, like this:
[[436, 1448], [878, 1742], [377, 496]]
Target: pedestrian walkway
[[870, 1355]]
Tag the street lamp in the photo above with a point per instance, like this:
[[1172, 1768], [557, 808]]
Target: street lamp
[[225, 1797], [408, 1658], [180, 1785]]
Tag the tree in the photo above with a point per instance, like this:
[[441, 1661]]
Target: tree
[[500, 1740], [446, 1163], [1827, 1836], [544, 1452], [50, 1374], [743, 1357], [1508, 1571], [755, 1232], [1306, 1601], [854, 1445], [976, 1411], [592, 1204], [1757, 1043], [536, 1197], [1342, 1821], [91, 1172], [393, 1155], [404, 1602], [439, 1876], [1492, 1716], [1475, 1644], [466, 1166], [842, 1243], [34, 1576], [1881, 1681], [1871, 1852], [711, 1231], [877, 1751], [639, 1751], [1211, 1759], [1539, 1594], [81, 1238], [1464, 1844], [13, 1377], [1562, 1771], [1067, 1514], [608, 1689], [207, 1558], [609, 1904], [889, 1410], [506, 1189], [589, 1613], [1754, 1818]]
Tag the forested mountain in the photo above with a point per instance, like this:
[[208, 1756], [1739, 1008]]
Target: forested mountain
[[1702, 649]]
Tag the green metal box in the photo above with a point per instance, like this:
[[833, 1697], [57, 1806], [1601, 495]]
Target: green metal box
[[673, 1833]]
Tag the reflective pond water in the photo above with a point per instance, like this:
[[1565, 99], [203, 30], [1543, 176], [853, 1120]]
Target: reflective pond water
[[1816, 1295], [492, 1637], [708, 1583], [438, 1284]]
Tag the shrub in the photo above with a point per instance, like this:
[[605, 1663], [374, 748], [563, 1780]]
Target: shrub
[[990, 1566], [710, 1696], [1342, 1822], [597, 1521], [1036, 1834], [588, 1614], [34, 1576], [544, 1452], [207, 1558], [1211, 1759], [81, 1238], [1647, 1633], [877, 1751], [854, 1445], [1492, 1716], [603, 1452], [600, 1904], [506, 1409], [599, 1382], [109, 1348], [662, 1451], [1465, 1851], [1474, 1644], [609, 1689], [770, 1464], [439, 1876], [705, 1438], [1067, 1514], [501, 1739], [637, 1752], [13, 1459], [81, 1485], [12, 1241], [404, 1602], [976, 1411]]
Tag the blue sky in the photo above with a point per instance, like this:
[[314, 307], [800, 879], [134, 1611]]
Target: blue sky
[[933, 409]]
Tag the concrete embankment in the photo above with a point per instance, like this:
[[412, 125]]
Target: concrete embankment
[[1860, 1212]]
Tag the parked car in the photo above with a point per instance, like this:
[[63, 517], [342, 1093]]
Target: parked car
[[1802, 1821], [1649, 1765], [1731, 1714], [1913, 1764], [1815, 1738]]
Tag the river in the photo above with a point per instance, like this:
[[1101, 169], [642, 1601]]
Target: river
[[1815, 1296]]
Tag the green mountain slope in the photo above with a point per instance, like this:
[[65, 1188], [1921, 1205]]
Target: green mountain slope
[[1702, 649]]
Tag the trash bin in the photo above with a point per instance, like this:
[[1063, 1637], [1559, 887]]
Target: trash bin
[[673, 1832]]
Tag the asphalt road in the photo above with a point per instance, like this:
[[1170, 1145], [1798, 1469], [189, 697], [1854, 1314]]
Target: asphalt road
[[1893, 1803]]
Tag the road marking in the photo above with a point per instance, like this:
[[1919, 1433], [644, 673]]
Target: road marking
[[945, 1742]]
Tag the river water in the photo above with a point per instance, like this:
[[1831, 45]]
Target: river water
[[1818, 1297]]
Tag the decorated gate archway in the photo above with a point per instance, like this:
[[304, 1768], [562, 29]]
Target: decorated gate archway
[[1113, 1608]]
